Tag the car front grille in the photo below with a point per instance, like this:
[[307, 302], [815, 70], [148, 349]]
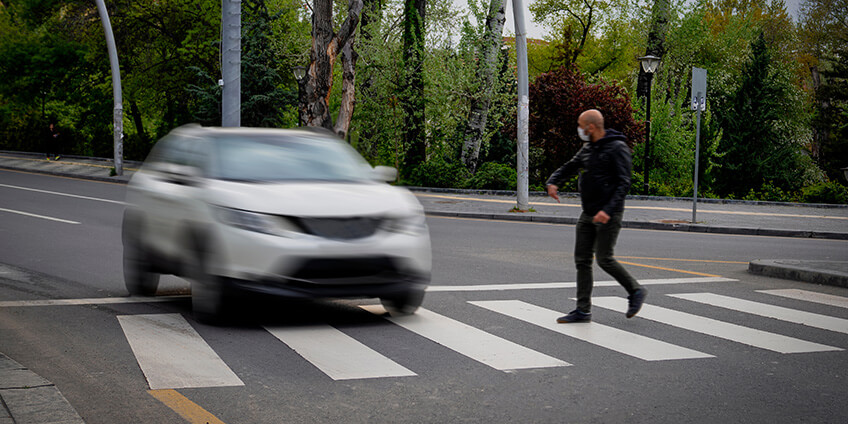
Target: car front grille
[[340, 228]]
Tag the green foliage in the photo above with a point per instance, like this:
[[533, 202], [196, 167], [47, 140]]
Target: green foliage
[[493, 176], [770, 192], [438, 172], [760, 130], [829, 192]]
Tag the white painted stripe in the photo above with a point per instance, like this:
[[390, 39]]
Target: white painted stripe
[[49, 218], [566, 285], [472, 342], [808, 296], [89, 301], [770, 311], [64, 194], [720, 329], [336, 354], [608, 337], [172, 355]]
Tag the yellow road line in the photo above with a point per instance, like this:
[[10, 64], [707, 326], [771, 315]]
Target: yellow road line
[[65, 162], [671, 269], [683, 260], [60, 176], [187, 409], [656, 208]]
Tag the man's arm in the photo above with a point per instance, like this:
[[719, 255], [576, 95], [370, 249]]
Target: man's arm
[[564, 171]]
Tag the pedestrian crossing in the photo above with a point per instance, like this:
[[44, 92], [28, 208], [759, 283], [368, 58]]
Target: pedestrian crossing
[[172, 355]]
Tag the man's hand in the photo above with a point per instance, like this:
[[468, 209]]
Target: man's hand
[[601, 217], [552, 191]]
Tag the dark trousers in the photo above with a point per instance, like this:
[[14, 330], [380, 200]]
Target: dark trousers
[[598, 240]]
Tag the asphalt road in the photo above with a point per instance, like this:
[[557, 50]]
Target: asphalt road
[[482, 355]]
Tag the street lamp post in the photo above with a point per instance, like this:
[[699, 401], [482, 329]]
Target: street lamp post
[[649, 65], [299, 73]]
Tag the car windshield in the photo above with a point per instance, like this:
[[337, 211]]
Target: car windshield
[[288, 158]]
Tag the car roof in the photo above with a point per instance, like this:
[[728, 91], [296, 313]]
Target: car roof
[[197, 130]]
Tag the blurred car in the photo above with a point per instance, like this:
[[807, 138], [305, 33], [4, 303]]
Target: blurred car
[[295, 213]]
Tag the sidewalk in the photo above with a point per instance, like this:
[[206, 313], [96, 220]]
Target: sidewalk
[[27, 398]]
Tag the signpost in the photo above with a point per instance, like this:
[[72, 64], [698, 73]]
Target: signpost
[[699, 104]]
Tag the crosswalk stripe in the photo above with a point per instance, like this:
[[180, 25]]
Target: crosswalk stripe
[[608, 337], [724, 330], [90, 301], [808, 296], [472, 342], [569, 285], [769, 311], [336, 354], [172, 355]]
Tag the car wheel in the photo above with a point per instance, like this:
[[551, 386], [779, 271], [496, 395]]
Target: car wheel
[[405, 304], [209, 294], [138, 277]]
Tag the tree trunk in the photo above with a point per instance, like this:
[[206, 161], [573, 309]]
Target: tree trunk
[[656, 42], [412, 96], [326, 46], [349, 57], [486, 68], [137, 120]]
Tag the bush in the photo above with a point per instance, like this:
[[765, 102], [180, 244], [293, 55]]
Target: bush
[[770, 192], [437, 172], [829, 192], [494, 176]]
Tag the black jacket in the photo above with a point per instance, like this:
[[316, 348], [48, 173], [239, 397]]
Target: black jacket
[[606, 173]]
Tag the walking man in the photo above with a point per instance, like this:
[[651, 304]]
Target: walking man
[[605, 162]]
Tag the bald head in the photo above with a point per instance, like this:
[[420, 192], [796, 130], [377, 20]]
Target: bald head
[[592, 122]]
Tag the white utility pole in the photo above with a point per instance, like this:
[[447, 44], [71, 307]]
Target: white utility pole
[[522, 144], [231, 63], [118, 118]]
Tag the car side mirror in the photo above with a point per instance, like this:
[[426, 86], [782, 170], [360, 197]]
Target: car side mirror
[[385, 173]]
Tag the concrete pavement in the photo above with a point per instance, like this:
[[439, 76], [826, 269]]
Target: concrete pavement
[[28, 398]]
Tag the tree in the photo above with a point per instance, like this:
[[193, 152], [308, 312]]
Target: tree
[[327, 45], [758, 142], [656, 42], [412, 94], [824, 34], [487, 66], [557, 98]]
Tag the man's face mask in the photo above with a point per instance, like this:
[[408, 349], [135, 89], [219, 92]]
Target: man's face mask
[[582, 134]]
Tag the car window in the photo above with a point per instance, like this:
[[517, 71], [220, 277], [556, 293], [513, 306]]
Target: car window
[[287, 158]]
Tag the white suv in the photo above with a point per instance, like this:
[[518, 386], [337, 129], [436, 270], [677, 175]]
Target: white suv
[[294, 213]]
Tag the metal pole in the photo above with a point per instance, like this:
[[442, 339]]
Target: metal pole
[[697, 160], [647, 166], [523, 105], [231, 63], [118, 118]]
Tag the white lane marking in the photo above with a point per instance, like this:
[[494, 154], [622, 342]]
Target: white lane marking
[[566, 285], [825, 322], [64, 194], [498, 353], [608, 337], [172, 355], [336, 354], [720, 329], [89, 301], [49, 218], [808, 296]]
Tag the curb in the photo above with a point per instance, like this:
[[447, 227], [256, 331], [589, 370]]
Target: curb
[[27, 398], [795, 270], [692, 228]]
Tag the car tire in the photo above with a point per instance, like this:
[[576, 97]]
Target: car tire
[[209, 294], [405, 304], [138, 277]]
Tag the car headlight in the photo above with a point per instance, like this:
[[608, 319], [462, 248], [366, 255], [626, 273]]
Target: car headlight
[[409, 225], [256, 222]]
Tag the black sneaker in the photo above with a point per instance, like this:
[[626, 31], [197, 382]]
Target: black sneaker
[[634, 302], [575, 316]]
